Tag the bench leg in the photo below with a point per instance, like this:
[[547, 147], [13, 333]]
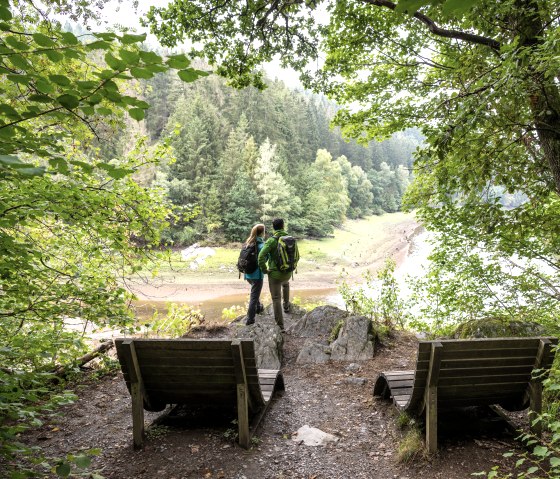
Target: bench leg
[[535, 407], [431, 420], [243, 416], [137, 416]]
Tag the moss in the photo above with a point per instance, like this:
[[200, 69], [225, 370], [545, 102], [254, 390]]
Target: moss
[[497, 328], [336, 330]]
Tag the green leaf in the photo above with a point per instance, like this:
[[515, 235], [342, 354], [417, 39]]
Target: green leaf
[[5, 13], [114, 63], [458, 7], [21, 79], [98, 45], [107, 36], [5, 26], [44, 86], [71, 53], [87, 85], [9, 160], [68, 101], [8, 111], [87, 168], [59, 164], [13, 42], [132, 58], [69, 38], [178, 61], [82, 461], [61, 80], [150, 57], [141, 73], [532, 470], [540, 451], [63, 469], [95, 99], [410, 6], [104, 111], [88, 110], [54, 56], [43, 40], [188, 75], [555, 461], [136, 113], [20, 62], [40, 98], [34, 171], [128, 38]]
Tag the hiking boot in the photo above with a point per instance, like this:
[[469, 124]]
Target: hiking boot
[[260, 309], [288, 309], [249, 322]]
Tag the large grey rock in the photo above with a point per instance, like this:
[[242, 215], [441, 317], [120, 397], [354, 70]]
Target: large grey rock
[[318, 323], [355, 340], [314, 353], [268, 341]]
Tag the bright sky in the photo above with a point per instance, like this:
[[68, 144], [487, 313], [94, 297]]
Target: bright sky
[[125, 15]]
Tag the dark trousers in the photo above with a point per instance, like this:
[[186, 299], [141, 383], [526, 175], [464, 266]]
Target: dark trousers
[[254, 300], [280, 293]]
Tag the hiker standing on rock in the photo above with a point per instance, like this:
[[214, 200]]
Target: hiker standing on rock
[[255, 279], [279, 259]]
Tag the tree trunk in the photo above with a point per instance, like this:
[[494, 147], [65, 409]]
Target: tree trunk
[[545, 98]]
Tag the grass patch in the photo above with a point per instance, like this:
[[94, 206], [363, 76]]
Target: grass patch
[[411, 445]]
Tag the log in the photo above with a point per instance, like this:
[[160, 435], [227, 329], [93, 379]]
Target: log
[[86, 358]]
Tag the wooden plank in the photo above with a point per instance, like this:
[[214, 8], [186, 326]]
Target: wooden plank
[[480, 363], [190, 381], [474, 381], [490, 371], [137, 391], [535, 387], [431, 397], [188, 369], [169, 361], [242, 394], [490, 353], [183, 355], [181, 344]]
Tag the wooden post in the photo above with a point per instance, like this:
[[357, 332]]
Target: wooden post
[[242, 394], [535, 386], [137, 392], [431, 397]]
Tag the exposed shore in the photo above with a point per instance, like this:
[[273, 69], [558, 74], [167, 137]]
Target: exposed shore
[[359, 246]]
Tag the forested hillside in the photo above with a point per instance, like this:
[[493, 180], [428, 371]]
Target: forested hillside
[[246, 156]]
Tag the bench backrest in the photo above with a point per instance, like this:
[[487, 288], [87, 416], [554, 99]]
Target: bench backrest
[[192, 371], [481, 371]]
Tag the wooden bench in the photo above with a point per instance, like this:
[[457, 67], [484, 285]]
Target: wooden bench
[[196, 372], [473, 372]]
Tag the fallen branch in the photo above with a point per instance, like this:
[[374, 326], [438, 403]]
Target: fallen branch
[[86, 358]]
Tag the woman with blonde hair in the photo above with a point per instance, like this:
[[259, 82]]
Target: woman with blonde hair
[[255, 279]]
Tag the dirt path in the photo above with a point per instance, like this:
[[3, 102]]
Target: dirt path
[[352, 256], [200, 447]]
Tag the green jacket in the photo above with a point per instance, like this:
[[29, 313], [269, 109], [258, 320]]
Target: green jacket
[[267, 258]]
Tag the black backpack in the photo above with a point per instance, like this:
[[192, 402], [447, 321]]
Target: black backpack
[[248, 259]]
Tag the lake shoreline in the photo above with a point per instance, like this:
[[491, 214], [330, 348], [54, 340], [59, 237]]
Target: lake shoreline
[[390, 236]]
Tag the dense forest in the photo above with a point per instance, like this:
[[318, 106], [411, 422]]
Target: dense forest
[[246, 156]]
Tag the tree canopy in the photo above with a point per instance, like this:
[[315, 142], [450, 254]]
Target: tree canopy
[[480, 78]]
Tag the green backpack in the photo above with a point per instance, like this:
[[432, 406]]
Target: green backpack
[[287, 254]]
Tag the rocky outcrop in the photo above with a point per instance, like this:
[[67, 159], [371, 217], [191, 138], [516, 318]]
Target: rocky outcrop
[[268, 341], [318, 323], [355, 341], [313, 352], [354, 336]]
